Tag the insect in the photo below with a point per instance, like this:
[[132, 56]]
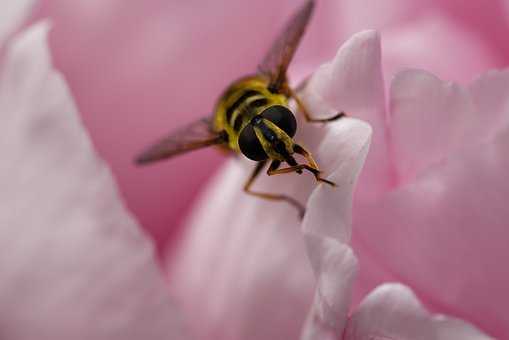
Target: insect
[[252, 118]]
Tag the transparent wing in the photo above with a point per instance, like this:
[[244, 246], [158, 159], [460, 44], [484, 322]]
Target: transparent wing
[[196, 135], [276, 61]]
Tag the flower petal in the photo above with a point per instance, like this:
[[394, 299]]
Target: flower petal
[[392, 311], [327, 229], [490, 95], [74, 264], [11, 16], [445, 234], [425, 43], [336, 273], [344, 150], [430, 118], [230, 264], [353, 83], [481, 24]]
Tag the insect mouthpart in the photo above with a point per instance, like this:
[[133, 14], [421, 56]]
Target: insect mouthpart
[[257, 120], [279, 146], [292, 162]]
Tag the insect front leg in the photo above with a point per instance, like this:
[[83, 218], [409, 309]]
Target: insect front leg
[[311, 167], [300, 167], [270, 196], [307, 115]]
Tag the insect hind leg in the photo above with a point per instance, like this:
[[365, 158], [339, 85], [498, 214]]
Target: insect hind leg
[[307, 115], [300, 167], [269, 196]]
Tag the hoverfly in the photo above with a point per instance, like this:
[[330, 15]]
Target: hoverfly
[[252, 118]]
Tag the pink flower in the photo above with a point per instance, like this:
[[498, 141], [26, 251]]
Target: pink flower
[[141, 69], [249, 267], [422, 199]]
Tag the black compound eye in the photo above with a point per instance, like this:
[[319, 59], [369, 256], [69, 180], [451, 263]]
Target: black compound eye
[[282, 117], [250, 146]]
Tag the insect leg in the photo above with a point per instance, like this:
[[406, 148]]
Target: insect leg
[[307, 114], [273, 197], [312, 167], [298, 167], [301, 151]]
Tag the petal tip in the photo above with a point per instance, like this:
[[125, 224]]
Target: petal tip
[[364, 39], [39, 30]]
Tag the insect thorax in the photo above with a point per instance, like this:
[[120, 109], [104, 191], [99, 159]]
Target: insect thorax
[[243, 100]]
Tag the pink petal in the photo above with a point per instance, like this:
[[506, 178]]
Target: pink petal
[[431, 118], [445, 235], [479, 23], [12, 14], [482, 19], [435, 42], [243, 263], [490, 96], [392, 311], [357, 15], [74, 264]]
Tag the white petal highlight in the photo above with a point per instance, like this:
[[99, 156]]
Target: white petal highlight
[[336, 273], [343, 150], [392, 311], [327, 224], [352, 82], [74, 264]]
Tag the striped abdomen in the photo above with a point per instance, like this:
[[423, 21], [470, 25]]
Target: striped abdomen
[[242, 101]]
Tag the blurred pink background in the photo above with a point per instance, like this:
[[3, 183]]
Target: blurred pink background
[[139, 69]]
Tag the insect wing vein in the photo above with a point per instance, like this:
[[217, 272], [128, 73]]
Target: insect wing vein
[[196, 135], [276, 61]]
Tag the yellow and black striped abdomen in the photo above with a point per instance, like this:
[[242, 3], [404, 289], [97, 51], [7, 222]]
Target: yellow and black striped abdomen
[[243, 100]]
